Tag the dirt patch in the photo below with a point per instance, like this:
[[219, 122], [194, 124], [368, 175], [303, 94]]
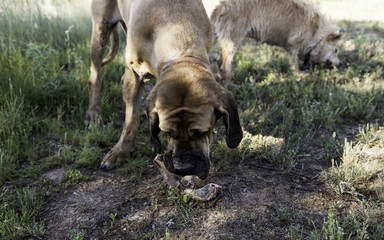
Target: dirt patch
[[84, 208], [257, 202], [55, 175]]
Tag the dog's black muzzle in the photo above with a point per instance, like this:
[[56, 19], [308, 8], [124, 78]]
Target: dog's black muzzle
[[187, 163], [326, 65]]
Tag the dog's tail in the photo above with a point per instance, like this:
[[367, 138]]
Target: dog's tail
[[114, 46]]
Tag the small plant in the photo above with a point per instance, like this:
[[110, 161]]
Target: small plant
[[332, 229], [18, 213], [89, 157], [296, 233], [112, 219], [285, 215], [332, 149], [181, 202], [77, 236], [167, 234], [368, 134], [74, 176]]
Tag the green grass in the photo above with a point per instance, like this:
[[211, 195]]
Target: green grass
[[43, 98], [18, 213]]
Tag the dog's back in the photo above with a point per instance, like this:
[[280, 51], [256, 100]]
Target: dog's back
[[269, 21], [170, 30]]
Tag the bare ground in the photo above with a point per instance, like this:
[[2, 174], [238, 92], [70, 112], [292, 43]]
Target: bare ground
[[257, 202]]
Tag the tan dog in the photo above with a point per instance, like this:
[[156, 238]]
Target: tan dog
[[295, 25], [169, 40]]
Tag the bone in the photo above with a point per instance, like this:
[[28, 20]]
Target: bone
[[206, 193], [170, 178], [187, 184]]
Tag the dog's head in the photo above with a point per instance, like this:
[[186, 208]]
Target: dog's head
[[324, 52], [185, 105]]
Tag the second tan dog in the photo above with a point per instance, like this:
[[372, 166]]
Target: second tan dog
[[169, 40], [295, 25]]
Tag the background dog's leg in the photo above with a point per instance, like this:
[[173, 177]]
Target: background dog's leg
[[228, 52], [132, 90], [294, 61], [229, 43]]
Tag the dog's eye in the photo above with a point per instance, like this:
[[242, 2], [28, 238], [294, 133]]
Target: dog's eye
[[336, 50], [170, 133], [197, 133]]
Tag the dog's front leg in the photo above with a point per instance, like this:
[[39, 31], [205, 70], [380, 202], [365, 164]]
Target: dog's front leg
[[228, 52], [229, 46], [132, 90], [294, 58], [294, 61]]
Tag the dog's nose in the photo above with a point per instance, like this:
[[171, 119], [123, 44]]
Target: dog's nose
[[187, 163], [328, 64]]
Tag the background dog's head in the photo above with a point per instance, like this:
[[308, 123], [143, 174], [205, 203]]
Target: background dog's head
[[185, 105], [324, 52]]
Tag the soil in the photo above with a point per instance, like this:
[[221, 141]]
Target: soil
[[257, 201]]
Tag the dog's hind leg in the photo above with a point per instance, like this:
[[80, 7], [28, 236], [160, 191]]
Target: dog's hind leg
[[132, 90], [104, 22], [100, 34]]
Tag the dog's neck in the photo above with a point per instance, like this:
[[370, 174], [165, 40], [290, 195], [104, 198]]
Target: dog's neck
[[186, 59]]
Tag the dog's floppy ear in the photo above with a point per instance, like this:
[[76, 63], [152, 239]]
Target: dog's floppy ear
[[154, 130], [334, 37], [228, 110]]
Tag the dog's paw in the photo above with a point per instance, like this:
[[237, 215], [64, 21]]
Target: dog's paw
[[93, 115], [113, 159]]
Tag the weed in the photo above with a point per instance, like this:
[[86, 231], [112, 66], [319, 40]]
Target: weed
[[73, 176], [332, 228], [89, 157], [368, 135], [135, 167], [77, 236], [66, 154], [181, 202], [167, 235], [296, 233], [82, 203], [332, 150], [5, 166], [112, 219], [285, 215], [354, 169], [251, 217], [19, 209]]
